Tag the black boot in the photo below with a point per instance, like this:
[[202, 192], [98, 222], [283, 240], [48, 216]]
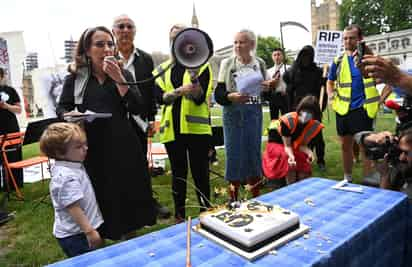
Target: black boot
[[162, 211]]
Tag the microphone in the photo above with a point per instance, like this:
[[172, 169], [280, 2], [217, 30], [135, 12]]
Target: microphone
[[392, 104]]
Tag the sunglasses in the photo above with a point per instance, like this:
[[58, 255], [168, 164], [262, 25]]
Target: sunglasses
[[121, 26], [102, 44]]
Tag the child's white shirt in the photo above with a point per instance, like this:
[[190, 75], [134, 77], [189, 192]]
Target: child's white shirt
[[70, 183]]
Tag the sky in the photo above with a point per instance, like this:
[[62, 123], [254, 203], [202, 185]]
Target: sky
[[47, 23]]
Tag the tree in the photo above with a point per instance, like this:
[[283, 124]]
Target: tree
[[398, 14], [265, 47], [376, 16]]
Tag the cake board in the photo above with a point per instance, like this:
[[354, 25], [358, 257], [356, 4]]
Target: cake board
[[251, 256]]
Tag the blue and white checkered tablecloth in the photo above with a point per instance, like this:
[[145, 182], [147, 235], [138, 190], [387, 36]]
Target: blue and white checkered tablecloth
[[368, 229]]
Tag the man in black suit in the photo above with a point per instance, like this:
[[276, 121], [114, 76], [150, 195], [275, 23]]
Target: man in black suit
[[140, 64]]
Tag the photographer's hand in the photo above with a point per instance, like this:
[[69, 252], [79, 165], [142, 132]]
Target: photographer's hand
[[378, 138], [383, 70], [383, 168]]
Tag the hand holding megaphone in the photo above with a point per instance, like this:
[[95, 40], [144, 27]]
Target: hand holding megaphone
[[186, 89]]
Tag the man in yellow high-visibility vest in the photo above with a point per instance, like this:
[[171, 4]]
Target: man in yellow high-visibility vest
[[355, 99]]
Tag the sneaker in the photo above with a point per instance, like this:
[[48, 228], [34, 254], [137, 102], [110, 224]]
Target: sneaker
[[162, 211], [349, 180]]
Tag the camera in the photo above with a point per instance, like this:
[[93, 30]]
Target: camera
[[377, 151]]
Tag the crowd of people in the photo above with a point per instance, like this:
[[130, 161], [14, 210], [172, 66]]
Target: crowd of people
[[101, 185]]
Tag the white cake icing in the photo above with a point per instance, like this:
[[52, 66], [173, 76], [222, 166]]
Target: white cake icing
[[250, 223]]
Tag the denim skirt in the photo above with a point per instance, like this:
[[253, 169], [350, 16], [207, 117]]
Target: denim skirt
[[242, 128]]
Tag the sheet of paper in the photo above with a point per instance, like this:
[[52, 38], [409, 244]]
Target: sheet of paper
[[250, 83], [141, 123], [344, 185], [87, 116]]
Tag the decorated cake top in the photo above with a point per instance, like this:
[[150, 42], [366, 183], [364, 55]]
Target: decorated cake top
[[238, 214], [249, 222]]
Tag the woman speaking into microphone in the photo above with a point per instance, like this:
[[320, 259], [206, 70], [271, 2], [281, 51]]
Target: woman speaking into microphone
[[115, 161]]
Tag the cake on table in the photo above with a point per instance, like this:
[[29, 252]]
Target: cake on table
[[249, 225]]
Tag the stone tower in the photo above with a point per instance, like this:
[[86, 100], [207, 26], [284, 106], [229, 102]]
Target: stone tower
[[195, 21], [324, 17]]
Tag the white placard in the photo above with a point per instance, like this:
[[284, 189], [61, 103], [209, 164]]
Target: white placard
[[328, 46]]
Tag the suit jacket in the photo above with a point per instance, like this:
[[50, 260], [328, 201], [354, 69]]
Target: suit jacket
[[143, 66]]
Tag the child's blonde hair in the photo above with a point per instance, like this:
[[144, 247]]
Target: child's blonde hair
[[55, 139]]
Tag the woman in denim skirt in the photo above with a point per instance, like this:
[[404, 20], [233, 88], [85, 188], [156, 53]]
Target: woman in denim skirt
[[238, 91]]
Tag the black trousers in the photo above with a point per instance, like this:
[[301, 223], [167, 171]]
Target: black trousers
[[192, 148], [278, 102]]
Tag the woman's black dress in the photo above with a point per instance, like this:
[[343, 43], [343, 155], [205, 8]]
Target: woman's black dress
[[115, 161], [9, 124]]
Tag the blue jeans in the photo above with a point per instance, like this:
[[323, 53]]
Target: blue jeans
[[242, 127], [74, 245]]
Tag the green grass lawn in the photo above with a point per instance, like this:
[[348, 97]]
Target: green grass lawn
[[27, 240]]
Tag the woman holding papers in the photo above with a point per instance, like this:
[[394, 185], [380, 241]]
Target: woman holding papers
[[115, 161], [238, 90]]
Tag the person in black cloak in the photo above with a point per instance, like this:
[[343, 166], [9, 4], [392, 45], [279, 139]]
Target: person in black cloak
[[115, 161]]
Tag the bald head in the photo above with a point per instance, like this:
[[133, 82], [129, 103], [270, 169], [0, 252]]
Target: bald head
[[124, 30], [122, 18]]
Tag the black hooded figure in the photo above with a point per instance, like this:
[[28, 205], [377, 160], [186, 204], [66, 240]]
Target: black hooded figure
[[302, 79]]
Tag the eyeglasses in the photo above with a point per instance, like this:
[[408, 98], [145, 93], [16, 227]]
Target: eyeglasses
[[102, 44], [121, 26]]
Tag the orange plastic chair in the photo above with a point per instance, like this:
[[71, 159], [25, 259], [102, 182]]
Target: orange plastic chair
[[9, 143]]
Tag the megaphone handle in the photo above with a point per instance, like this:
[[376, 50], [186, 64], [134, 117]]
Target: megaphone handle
[[193, 77]]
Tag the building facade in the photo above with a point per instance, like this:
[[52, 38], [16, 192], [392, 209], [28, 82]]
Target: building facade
[[324, 17], [69, 50], [31, 61], [396, 45]]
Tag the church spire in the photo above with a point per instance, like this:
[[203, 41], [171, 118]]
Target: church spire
[[195, 21]]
